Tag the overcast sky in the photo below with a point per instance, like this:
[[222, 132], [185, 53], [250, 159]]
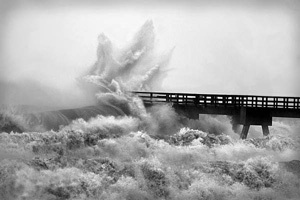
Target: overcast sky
[[220, 46]]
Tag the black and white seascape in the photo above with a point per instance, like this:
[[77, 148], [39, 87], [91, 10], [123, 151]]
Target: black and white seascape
[[72, 128]]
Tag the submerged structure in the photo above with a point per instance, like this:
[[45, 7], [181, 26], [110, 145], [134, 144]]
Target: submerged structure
[[245, 109]]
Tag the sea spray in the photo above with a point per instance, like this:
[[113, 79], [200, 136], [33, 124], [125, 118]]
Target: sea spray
[[115, 73], [118, 149], [66, 163]]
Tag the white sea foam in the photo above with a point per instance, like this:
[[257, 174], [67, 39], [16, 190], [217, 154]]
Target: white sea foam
[[130, 152]]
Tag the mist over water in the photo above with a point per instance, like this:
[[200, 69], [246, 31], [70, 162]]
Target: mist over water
[[118, 149]]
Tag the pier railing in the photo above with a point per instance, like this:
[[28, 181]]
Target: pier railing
[[218, 100]]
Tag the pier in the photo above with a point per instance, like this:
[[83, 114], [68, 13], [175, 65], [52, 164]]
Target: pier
[[245, 110]]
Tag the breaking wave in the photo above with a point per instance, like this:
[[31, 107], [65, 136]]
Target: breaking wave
[[118, 149]]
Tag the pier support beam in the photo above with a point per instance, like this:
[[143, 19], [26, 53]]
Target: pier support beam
[[236, 128], [235, 122], [255, 116], [245, 131], [265, 129]]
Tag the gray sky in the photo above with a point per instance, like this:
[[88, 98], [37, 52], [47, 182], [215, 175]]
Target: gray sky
[[220, 46]]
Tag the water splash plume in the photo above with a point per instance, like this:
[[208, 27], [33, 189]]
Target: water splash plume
[[119, 149]]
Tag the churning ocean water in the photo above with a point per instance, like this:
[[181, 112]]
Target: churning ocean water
[[118, 149]]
